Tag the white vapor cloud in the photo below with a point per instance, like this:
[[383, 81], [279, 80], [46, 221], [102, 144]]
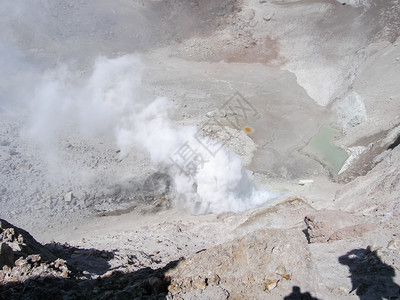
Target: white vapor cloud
[[111, 103]]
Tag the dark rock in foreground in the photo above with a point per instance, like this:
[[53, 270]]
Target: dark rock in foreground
[[31, 271]]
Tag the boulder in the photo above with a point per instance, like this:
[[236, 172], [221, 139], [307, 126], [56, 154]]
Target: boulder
[[22, 242], [330, 225]]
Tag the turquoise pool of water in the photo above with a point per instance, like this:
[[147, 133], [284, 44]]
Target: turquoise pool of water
[[321, 147]]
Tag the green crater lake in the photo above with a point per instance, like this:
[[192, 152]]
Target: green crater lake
[[322, 148]]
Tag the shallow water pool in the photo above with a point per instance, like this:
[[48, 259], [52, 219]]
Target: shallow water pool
[[322, 148]]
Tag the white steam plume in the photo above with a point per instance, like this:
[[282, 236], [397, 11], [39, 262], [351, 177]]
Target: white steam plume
[[110, 102]]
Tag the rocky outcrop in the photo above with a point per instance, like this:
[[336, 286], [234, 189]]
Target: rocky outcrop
[[259, 265], [330, 225], [30, 270], [23, 258], [21, 243]]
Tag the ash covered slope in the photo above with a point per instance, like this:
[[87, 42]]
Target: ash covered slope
[[289, 250], [198, 69], [59, 185]]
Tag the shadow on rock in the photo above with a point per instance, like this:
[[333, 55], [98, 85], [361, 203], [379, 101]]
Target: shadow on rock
[[30, 270], [87, 260], [298, 295], [370, 277], [145, 283]]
